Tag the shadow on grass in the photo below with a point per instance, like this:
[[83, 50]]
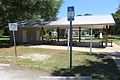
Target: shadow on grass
[[104, 70]]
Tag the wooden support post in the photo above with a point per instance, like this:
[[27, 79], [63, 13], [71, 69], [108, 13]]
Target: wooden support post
[[58, 33], [104, 33], [42, 33], [106, 36], [79, 34]]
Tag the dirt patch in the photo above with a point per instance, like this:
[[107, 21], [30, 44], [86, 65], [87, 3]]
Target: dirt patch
[[36, 57]]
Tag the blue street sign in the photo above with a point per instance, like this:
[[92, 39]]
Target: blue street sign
[[70, 13]]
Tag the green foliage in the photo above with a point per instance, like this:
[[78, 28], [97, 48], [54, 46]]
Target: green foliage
[[115, 30], [1, 32], [46, 37], [18, 10], [87, 14]]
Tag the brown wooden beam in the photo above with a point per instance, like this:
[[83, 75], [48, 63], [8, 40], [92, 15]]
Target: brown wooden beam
[[106, 36], [58, 34], [104, 33], [42, 33], [79, 34]]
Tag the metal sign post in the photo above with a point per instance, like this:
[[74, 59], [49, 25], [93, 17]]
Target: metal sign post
[[13, 28], [70, 14], [70, 44], [68, 38], [14, 43]]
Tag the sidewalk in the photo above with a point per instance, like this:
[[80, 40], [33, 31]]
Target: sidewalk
[[83, 49]]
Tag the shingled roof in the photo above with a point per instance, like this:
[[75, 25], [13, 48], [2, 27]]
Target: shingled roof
[[32, 23]]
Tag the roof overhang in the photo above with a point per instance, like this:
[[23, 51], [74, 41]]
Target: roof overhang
[[86, 22]]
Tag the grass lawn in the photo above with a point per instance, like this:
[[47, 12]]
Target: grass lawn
[[99, 66], [116, 39], [4, 39], [96, 40]]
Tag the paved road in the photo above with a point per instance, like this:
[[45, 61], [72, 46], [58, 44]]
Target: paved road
[[8, 73]]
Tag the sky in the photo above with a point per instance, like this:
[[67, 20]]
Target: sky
[[94, 7]]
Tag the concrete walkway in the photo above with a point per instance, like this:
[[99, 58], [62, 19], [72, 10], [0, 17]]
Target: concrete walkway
[[113, 51], [83, 49]]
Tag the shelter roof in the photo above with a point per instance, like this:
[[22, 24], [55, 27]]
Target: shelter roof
[[96, 21]]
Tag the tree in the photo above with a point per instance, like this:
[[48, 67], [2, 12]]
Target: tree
[[87, 14], [115, 30], [19, 10], [79, 15]]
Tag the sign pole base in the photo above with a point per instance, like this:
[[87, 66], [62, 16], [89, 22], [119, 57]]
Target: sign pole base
[[14, 44]]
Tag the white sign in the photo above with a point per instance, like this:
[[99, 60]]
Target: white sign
[[70, 14], [13, 26]]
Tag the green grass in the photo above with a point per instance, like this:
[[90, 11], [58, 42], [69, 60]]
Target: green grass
[[96, 40], [99, 66], [116, 39], [4, 39]]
